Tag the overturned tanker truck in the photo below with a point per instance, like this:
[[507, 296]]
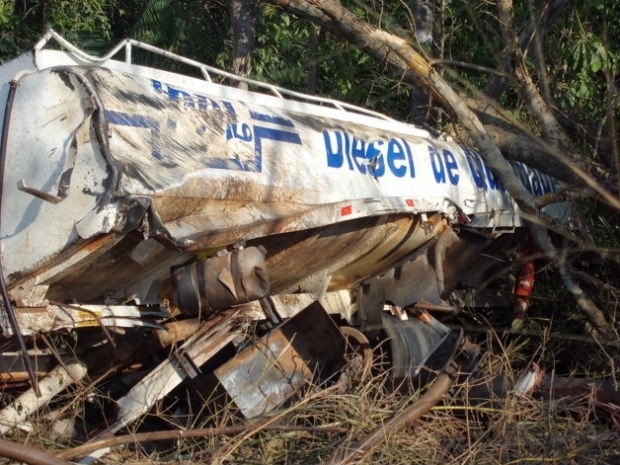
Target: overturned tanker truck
[[149, 212]]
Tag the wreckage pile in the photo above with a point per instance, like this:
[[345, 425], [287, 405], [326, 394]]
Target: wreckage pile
[[357, 418], [206, 273]]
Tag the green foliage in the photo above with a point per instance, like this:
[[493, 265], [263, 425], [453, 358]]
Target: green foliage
[[87, 22], [285, 54], [197, 29], [289, 50], [6, 13], [72, 18], [468, 23], [586, 59], [15, 33], [189, 27], [281, 53]]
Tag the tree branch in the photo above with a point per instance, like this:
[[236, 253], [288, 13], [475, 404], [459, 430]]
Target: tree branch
[[525, 84], [243, 38], [379, 43], [513, 140]]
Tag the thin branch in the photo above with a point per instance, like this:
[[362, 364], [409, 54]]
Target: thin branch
[[375, 41], [527, 88], [402, 419], [164, 435], [472, 66]]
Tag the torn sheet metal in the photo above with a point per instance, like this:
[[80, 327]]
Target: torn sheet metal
[[305, 347], [51, 317], [211, 337]]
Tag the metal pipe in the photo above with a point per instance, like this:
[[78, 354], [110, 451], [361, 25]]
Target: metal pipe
[[5, 294], [280, 92]]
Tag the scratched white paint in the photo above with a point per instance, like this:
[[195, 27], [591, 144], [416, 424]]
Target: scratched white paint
[[211, 160]]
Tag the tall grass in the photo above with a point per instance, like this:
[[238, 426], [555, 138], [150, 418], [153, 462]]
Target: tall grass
[[323, 421]]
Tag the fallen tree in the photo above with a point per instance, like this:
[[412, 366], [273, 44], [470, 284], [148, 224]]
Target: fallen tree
[[553, 143]]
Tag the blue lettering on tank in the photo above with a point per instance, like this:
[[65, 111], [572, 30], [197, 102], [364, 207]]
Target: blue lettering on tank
[[204, 103], [376, 163], [254, 134], [436, 164], [536, 184], [139, 121], [358, 151], [333, 148], [494, 182], [396, 154], [452, 167], [230, 109], [347, 149], [523, 173], [245, 132], [239, 131], [368, 157], [444, 165], [189, 100], [181, 96], [476, 167], [545, 183], [271, 119], [409, 157], [261, 133]]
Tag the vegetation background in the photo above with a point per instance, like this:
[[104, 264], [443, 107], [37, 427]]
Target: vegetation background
[[532, 80]]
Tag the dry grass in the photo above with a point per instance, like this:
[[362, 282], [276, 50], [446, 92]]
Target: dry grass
[[462, 429]]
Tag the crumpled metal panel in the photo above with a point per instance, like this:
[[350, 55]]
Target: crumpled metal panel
[[208, 141], [269, 372], [50, 154], [134, 153]]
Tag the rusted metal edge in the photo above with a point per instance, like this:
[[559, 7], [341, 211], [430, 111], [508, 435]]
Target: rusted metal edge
[[207, 341]]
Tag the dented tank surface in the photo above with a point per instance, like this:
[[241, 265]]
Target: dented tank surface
[[133, 197], [170, 167]]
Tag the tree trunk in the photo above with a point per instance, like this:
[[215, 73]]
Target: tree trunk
[[396, 50], [517, 142], [242, 21]]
